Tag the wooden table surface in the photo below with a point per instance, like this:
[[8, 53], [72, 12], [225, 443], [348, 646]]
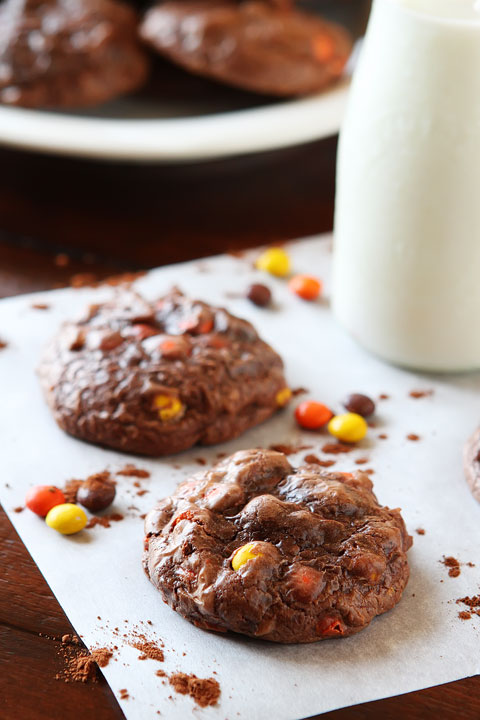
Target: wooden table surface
[[60, 217]]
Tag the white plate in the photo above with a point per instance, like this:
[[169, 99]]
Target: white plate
[[177, 139]]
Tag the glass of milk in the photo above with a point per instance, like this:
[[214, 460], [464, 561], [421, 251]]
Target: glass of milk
[[407, 219]]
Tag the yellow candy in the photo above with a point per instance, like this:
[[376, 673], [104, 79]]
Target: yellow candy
[[283, 397], [274, 261], [243, 555], [349, 427], [66, 518], [169, 407]]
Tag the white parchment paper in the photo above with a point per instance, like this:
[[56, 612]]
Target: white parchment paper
[[97, 573]]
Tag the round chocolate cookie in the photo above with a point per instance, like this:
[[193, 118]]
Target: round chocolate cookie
[[471, 463], [252, 45], [290, 555], [156, 378], [68, 53]]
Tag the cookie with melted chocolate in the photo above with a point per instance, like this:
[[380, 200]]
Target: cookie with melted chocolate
[[291, 555], [155, 378]]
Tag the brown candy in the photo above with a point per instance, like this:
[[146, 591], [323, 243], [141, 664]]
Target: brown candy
[[360, 404], [96, 494], [259, 294]]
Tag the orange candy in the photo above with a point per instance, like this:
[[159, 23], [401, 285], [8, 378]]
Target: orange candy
[[312, 415], [41, 499], [305, 286]]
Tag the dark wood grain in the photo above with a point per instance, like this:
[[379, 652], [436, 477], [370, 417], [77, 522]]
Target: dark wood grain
[[109, 219]]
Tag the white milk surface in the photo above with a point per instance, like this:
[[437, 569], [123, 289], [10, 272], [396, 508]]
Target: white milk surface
[[420, 643], [407, 226]]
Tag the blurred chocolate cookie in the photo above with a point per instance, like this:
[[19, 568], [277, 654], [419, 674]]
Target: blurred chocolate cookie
[[68, 53], [155, 378], [256, 46]]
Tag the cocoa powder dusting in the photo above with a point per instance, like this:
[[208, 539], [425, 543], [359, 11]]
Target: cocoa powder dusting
[[149, 650], [18, 509], [70, 490], [40, 306], [361, 461], [420, 531], [383, 436], [464, 615], [104, 520], [383, 396], [289, 449], [453, 565], [203, 691], [3, 344], [337, 448], [79, 664], [314, 460], [132, 471], [413, 437], [417, 394]]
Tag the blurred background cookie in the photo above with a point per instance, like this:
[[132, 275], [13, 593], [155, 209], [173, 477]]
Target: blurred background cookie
[[68, 53], [255, 46]]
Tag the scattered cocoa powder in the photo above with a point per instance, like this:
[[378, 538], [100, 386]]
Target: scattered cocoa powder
[[89, 279], [3, 344], [124, 694], [464, 615], [453, 565], [79, 664], [289, 449], [200, 461], [420, 531], [361, 461], [369, 471], [384, 396], [149, 649], [132, 471], [336, 448], [204, 691], [140, 493], [81, 280], [40, 306], [417, 394], [472, 602], [104, 520], [314, 460], [70, 490], [161, 673], [18, 509], [383, 436], [413, 437]]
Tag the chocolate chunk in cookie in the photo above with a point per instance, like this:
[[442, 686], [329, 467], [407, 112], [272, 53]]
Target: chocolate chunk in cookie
[[257, 46], [156, 378], [289, 555], [471, 463], [68, 53]]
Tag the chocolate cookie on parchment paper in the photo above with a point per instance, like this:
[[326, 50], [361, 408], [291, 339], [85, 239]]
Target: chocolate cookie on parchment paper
[[258, 46], [155, 378], [290, 555], [471, 463], [68, 53]]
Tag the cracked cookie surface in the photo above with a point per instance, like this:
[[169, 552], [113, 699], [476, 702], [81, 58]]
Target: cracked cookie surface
[[289, 555], [156, 378]]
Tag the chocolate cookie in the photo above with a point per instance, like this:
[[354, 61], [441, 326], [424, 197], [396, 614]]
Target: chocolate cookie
[[68, 53], [289, 555], [471, 463], [252, 45], [156, 378]]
